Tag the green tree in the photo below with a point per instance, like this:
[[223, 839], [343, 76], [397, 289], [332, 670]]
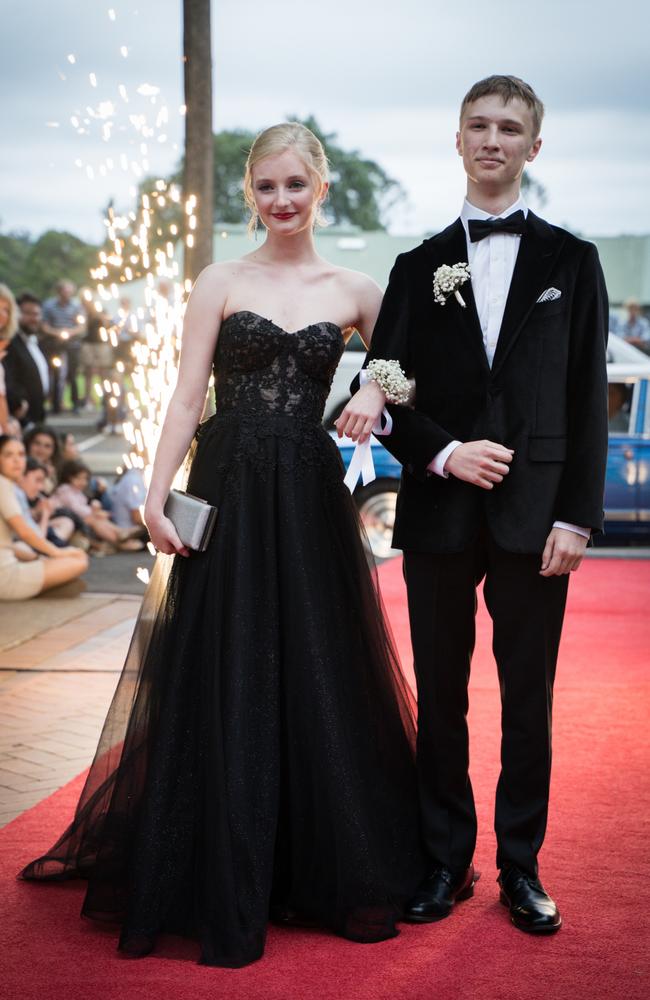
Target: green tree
[[14, 250], [362, 192], [230, 152], [38, 265], [57, 255]]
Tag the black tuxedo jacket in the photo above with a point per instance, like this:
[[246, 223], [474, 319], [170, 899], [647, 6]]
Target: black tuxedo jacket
[[24, 380], [545, 395]]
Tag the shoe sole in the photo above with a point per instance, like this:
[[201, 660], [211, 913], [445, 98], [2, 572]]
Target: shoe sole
[[503, 899], [434, 918]]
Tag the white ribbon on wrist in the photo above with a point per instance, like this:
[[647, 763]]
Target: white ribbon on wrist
[[361, 463]]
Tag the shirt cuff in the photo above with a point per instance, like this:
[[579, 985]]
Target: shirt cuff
[[585, 532], [437, 465]]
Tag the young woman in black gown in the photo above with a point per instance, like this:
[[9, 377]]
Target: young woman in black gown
[[257, 758]]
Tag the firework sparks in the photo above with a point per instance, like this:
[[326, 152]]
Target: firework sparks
[[140, 246]]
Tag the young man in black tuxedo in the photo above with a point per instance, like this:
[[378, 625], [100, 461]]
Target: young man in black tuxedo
[[503, 460]]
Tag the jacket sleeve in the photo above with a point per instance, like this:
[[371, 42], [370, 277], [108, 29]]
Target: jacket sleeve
[[582, 487], [415, 438], [16, 390]]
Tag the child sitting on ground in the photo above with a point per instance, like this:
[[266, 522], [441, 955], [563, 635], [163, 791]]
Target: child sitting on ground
[[70, 493]]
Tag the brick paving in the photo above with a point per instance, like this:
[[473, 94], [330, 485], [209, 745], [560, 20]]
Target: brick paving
[[55, 689]]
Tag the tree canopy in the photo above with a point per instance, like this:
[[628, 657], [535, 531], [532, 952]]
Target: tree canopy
[[360, 195], [36, 265]]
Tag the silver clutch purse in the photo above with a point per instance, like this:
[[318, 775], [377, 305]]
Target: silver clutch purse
[[193, 518]]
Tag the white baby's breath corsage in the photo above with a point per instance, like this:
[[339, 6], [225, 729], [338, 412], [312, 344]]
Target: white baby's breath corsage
[[447, 280], [389, 376]]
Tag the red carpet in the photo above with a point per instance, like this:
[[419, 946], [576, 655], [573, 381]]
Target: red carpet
[[594, 860]]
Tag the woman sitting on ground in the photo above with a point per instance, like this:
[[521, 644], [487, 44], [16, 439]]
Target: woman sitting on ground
[[22, 579], [71, 495]]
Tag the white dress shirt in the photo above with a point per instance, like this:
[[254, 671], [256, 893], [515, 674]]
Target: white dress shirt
[[492, 263]]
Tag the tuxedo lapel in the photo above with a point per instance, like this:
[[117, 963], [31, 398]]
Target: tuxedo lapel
[[450, 247], [537, 254]]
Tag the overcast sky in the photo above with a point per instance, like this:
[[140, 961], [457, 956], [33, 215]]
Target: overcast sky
[[387, 77]]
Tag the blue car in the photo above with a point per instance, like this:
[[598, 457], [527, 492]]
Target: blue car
[[627, 486]]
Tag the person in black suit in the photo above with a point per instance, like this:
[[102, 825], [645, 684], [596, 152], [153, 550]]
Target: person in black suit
[[503, 458], [26, 366]]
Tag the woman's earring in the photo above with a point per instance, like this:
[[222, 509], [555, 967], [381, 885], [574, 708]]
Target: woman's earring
[[255, 227]]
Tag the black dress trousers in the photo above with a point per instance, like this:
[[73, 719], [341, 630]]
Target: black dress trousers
[[527, 611]]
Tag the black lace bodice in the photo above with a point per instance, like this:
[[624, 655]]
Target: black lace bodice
[[262, 370]]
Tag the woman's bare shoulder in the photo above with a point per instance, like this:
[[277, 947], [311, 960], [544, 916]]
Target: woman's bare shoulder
[[357, 282], [221, 271]]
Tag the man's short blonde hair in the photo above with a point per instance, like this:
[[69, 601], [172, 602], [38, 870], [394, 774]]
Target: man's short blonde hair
[[507, 88]]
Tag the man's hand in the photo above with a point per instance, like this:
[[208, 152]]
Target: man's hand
[[563, 552], [482, 463], [362, 412]]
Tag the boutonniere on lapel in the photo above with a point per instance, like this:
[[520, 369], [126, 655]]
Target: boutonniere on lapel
[[447, 280]]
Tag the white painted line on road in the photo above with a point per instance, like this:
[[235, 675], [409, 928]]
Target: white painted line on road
[[90, 442]]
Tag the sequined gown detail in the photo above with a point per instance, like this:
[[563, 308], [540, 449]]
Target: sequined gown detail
[[259, 749]]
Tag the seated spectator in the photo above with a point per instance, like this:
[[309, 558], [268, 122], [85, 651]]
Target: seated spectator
[[8, 327], [636, 328], [39, 510], [26, 366], [71, 495], [128, 494], [24, 572], [42, 443], [98, 487]]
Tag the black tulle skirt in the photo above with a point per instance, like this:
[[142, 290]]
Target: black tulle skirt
[[259, 750]]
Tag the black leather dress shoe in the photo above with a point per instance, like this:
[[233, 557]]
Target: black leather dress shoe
[[437, 894], [531, 908]]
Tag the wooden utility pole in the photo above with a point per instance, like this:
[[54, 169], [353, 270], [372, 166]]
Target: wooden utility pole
[[199, 147]]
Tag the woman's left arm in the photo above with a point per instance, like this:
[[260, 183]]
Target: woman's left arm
[[366, 406]]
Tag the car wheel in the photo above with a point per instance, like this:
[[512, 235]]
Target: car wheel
[[376, 503]]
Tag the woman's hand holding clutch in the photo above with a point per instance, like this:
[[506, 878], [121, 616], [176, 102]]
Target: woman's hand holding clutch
[[163, 534]]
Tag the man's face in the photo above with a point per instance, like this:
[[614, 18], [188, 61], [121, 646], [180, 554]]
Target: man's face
[[496, 140], [66, 291], [30, 316]]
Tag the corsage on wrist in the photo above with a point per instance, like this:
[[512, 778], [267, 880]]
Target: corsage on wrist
[[391, 379]]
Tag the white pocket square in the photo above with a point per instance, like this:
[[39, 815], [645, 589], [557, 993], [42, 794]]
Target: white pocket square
[[550, 295]]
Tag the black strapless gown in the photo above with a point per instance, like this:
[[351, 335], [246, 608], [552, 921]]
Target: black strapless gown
[[259, 749]]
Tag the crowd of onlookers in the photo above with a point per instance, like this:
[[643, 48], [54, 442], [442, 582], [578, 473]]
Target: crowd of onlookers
[[54, 512]]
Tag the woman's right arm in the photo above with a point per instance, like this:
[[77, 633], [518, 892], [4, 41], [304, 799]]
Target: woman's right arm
[[200, 330]]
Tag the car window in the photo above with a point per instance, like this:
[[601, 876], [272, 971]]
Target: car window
[[620, 406]]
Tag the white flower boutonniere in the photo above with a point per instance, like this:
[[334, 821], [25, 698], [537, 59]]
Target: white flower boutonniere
[[447, 280]]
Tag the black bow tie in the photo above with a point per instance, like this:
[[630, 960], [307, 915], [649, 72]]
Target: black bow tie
[[480, 228]]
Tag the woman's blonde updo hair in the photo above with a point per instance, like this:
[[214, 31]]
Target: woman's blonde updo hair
[[277, 139], [12, 323]]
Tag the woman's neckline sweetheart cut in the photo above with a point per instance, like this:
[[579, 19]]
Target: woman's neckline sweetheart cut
[[289, 333]]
